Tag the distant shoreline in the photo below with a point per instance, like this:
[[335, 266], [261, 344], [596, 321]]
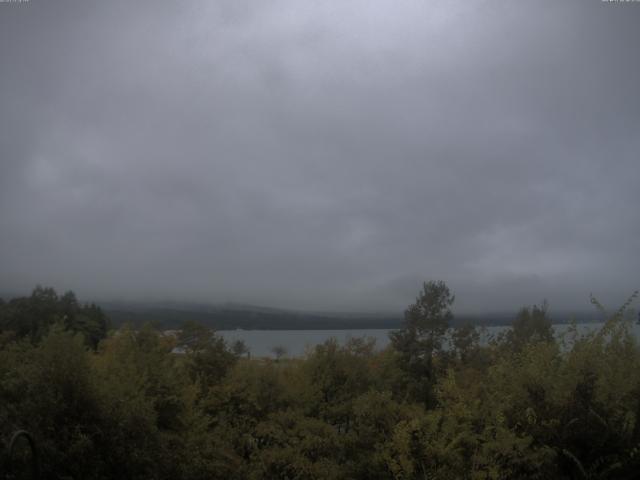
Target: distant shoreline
[[256, 318]]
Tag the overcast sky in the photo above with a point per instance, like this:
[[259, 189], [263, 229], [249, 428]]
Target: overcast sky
[[325, 155]]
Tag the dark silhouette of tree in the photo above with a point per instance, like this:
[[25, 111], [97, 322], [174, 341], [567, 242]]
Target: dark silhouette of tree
[[240, 349], [32, 317], [207, 357], [465, 340], [532, 324], [279, 351], [425, 324]]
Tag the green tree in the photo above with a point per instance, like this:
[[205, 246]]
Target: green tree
[[336, 375], [240, 349], [207, 357], [144, 400], [32, 317], [531, 325], [465, 341], [425, 325], [48, 389]]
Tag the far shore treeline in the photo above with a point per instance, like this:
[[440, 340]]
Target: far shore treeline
[[248, 317], [104, 400], [171, 315]]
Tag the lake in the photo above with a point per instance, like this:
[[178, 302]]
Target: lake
[[296, 342]]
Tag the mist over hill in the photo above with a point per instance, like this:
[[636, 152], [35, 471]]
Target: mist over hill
[[230, 316]]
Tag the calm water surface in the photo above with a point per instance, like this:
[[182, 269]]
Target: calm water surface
[[297, 342]]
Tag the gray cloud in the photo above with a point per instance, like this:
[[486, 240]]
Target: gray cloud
[[326, 155]]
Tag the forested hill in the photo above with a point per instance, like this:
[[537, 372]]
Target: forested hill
[[249, 317], [230, 317], [171, 315]]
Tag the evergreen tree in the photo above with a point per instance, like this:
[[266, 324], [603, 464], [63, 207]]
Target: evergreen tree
[[425, 325]]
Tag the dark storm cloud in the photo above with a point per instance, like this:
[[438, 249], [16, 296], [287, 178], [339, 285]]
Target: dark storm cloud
[[321, 154]]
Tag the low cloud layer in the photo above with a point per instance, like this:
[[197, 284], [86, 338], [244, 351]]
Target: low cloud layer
[[323, 155]]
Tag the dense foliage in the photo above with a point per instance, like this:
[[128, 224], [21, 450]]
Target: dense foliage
[[32, 317], [436, 404]]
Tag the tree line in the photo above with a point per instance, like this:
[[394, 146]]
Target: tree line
[[437, 403]]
